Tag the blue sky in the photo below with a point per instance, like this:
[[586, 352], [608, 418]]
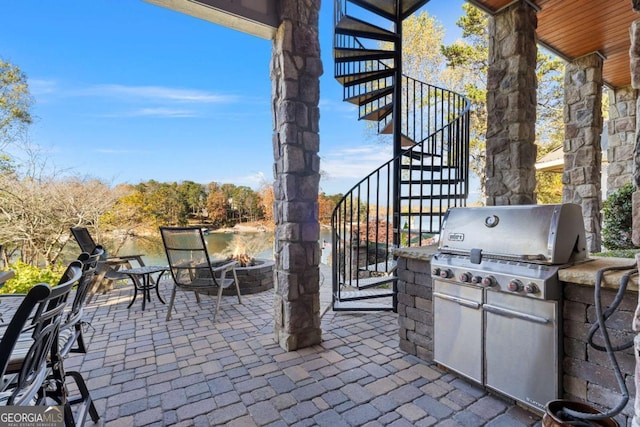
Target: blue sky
[[127, 91]]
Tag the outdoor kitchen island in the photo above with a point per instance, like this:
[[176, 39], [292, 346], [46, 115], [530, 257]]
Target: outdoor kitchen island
[[586, 373]]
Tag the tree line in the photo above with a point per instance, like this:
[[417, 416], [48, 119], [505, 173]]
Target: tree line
[[37, 210]]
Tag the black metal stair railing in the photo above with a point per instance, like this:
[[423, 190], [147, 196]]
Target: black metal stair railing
[[434, 177], [402, 202]]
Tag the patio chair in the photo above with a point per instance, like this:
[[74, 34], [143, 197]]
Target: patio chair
[[71, 340], [191, 267], [29, 338], [108, 267]]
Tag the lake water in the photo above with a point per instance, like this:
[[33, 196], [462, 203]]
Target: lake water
[[220, 245]]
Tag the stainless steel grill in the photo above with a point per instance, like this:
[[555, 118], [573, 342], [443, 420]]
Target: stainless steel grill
[[497, 297]]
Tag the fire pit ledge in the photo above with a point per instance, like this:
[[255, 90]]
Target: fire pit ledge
[[253, 279]]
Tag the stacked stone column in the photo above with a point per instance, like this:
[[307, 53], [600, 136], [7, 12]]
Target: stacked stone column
[[511, 106], [622, 136], [295, 71], [582, 150], [634, 55]]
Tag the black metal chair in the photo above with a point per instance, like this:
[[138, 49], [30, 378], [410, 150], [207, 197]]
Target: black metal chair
[[191, 267], [29, 338], [71, 340], [108, 267]]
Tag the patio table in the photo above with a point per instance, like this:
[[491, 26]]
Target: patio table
[[141, 277]]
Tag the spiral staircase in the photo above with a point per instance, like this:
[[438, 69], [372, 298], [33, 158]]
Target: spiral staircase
[[402, 202]]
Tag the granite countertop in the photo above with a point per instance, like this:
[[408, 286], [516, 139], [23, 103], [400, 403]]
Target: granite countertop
[[419, 252], [583, 273]]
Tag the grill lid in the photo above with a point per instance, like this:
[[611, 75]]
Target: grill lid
[[550, 234]]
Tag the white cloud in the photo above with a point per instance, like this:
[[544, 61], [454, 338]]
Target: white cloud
[[354, 163], [343, 168], [39, 87], [156, 93], [252, 180], [158, 112], [112, 151]]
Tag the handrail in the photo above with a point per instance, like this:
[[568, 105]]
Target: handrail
[[433, 174]]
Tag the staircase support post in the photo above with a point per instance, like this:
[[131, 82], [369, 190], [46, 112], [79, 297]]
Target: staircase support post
[[295, 71], [397, 124]]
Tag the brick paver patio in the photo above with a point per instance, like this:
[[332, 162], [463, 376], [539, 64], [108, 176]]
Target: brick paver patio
[[144, 371]]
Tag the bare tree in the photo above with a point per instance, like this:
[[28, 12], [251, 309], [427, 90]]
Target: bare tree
[[37, 209]]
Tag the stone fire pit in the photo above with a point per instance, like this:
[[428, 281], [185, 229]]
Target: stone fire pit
[[254, 278]]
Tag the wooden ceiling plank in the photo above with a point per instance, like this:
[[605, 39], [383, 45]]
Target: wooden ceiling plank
[[579, 27]]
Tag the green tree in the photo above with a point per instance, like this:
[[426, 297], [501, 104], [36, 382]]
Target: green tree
[[617, 219], [422, 35], [326, 205], [247, 203], [469, 57], [217, 204], [193, 195], [126, 216], [161, 203], [15, 102], [267, 199]]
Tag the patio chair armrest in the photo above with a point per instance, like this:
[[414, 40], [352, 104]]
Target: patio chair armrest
[[225, 267], [127, 258]]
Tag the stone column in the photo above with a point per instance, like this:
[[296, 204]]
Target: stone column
[[634, 56], [511, 106], [295, 70], [622, 137], [582, 150]]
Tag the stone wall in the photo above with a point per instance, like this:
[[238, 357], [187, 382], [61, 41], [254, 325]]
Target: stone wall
[[587, 372], [415, 314], [511, 107], [582, 149], [622, 136], [253, 279], [295, 71]]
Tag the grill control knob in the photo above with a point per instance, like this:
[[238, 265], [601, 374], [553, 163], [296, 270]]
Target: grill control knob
[[445, 274], [465, 277], [488, 281], [514, 285], [476, 280], [531, 288], [435, 271]]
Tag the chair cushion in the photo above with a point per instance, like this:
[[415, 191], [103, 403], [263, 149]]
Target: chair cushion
[[66, 338]]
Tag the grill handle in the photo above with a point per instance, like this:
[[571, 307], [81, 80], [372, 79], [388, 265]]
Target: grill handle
[[515, 314], [461, 301], [496, 255]]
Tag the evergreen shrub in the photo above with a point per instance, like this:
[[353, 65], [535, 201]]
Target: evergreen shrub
[[617, 219]]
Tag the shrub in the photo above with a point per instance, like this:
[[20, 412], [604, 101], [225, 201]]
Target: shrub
[[27, 275], [617, 219]]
